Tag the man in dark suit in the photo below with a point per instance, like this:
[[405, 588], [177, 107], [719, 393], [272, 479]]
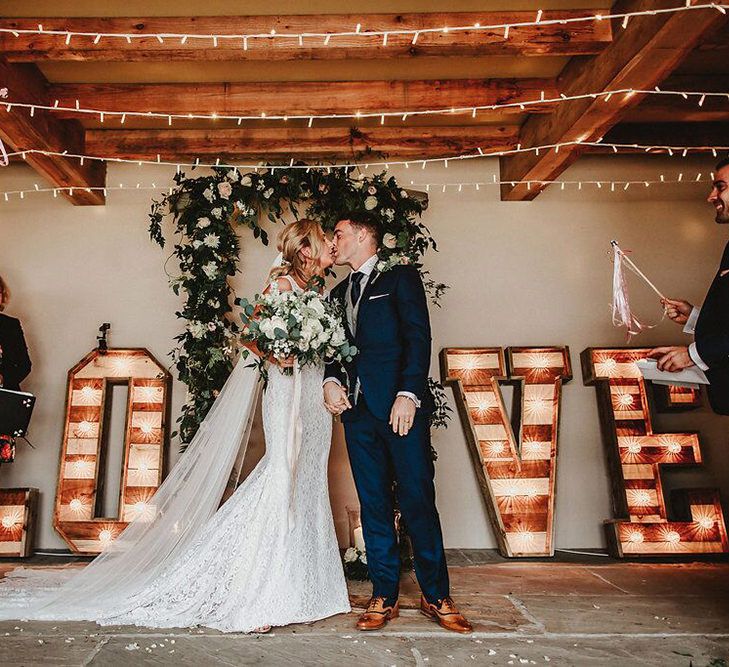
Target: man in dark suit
[[385, 403], [710, 323], [14, 364]]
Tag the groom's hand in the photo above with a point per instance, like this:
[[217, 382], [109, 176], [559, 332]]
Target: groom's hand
[[402, 415], [335, 398]]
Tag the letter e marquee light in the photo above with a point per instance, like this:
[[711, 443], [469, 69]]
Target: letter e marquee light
[[636, 454]]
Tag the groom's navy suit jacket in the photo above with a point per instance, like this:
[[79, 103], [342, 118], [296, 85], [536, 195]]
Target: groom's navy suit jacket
[[712, 337], [393, 342]]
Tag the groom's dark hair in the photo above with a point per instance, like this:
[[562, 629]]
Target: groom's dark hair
[[364, 220]]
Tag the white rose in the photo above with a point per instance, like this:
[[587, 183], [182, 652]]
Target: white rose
[[217, 212], [210, 269], [246, 180], [203, 222], [317, 306], [211, 240], [389, 241], [196, 244], [208, 194], [225, 189], [269, 326], [370, 203]]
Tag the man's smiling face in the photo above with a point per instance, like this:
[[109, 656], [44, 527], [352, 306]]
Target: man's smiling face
[[719, 197]]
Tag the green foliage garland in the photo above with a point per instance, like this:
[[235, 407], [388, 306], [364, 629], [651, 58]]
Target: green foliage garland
[[205, 211]]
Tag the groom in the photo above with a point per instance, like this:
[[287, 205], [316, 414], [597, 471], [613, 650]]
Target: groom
[[385, 403]]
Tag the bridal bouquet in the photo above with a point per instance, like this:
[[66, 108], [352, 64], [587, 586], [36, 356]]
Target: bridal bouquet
[[301, 325]]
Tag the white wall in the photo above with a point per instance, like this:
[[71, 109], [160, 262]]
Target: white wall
[[528, 273]]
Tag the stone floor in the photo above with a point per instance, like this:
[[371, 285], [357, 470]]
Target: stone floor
[[573, 611]]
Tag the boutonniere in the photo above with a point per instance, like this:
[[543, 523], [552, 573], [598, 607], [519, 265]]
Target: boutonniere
[[391, 260]]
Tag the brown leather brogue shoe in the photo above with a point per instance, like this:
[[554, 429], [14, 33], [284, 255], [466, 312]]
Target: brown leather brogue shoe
[[377, 614], [446, 614]]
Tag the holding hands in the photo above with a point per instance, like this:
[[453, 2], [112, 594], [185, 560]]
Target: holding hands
[[335, 398]]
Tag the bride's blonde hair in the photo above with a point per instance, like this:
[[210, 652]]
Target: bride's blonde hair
[[291, 241]]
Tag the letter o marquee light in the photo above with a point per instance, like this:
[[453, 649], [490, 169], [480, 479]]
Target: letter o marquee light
[[80, 477]]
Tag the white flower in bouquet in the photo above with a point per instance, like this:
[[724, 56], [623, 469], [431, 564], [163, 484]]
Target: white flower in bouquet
[[208, 194], [370, 203], [203, 222], [388, 214], [197, 243], [217, 212], [350, 555], [211, 240], [225, 189], [210, 269], [389, 241], [269, 326]]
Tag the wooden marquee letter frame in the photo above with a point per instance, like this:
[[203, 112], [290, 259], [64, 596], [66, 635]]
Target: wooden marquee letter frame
[[515, 459], [636, 454], [18, 513], [80, 479]]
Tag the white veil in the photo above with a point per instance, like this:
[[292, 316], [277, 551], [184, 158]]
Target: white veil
[[176, 514]]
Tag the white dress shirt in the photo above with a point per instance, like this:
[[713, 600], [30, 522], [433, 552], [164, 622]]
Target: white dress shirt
[[352, 312], [689, 329]]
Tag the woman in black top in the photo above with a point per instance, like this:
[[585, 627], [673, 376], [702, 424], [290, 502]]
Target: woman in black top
[[14, 363]]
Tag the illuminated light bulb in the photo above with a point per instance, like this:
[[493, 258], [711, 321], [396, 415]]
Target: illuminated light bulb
[[85, 427], [105, 535], [673, 537], [706, 522], [146, 429], [610, 366], [636, 537], [674, 447], [470, 364], [8, 522], [625, 400], [76, 505], [634, 447], [642, 498], [87, 392], [143, 467], [497, 447]]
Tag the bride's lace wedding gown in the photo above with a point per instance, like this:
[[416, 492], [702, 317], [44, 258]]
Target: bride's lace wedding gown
[[269, 555]]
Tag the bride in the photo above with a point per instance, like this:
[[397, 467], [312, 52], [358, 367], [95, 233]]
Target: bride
[[267, 557]]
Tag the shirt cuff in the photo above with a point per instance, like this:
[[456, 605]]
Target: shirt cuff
[[694, 354], [411, 396], [331, 379], [690, 326]]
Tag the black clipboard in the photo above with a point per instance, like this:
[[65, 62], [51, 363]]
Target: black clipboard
[[16, 407]]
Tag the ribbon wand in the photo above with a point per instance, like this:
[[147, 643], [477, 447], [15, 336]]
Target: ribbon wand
[[622, 314]]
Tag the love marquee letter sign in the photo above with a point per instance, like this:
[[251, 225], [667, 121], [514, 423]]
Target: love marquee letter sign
[[515, 458], [80, 515], [636, 454]]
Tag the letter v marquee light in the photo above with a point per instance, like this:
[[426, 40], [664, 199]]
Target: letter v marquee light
[[516, 467], [636, 454]]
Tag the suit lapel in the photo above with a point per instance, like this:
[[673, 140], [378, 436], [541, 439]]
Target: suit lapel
[[365, 296]]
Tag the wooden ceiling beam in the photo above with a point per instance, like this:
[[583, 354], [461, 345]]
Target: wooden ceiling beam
[[579, 38], [640, 57], [44, 132], [299, 143], [305, 97]]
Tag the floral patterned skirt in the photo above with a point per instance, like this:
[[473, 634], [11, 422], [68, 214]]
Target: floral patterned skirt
[[7, 449]]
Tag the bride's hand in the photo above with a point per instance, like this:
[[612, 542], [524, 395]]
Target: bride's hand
[[288, 362]]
